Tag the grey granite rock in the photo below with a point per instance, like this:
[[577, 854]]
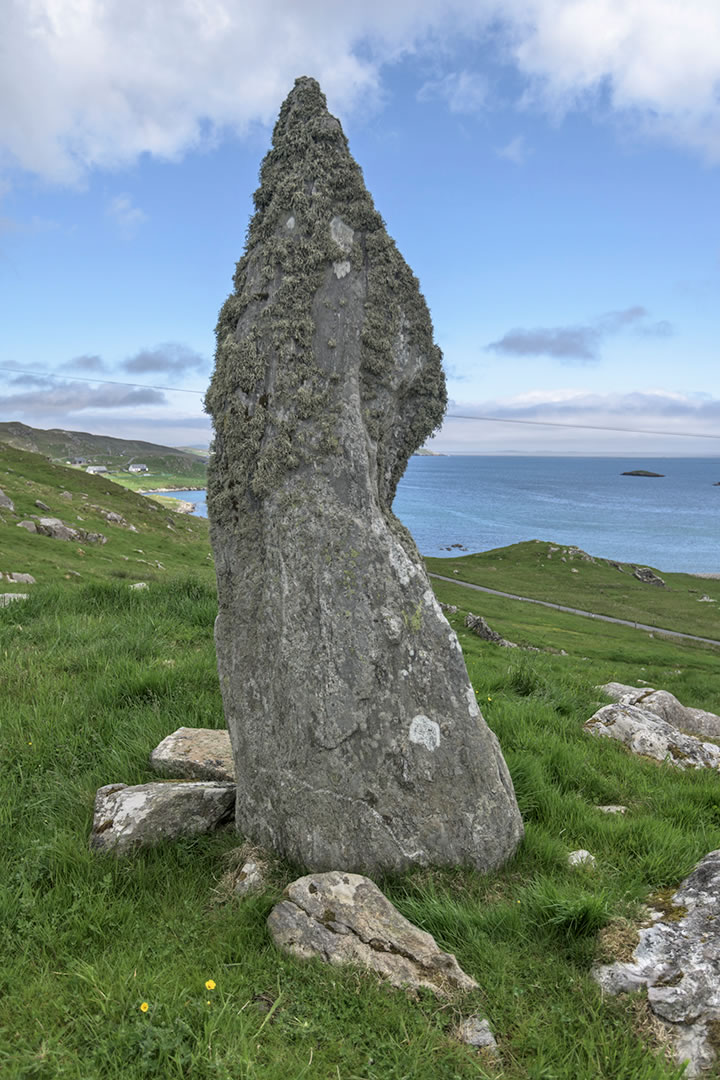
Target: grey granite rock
[[21, 579], [666, 706], [355, 731], [195, 754], [479, 626], [7, 598], [476, 1031], [345, 919], [128, 818], [645, 733], [6, 502], [678, 960]]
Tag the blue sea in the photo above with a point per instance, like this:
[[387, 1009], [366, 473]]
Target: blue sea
[[671, 523]]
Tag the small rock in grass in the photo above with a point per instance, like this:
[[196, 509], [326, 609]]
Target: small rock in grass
[[127, 818], [21, 579], [6, 502], [613, 808], [140, 585], [43, 506], [29, 525], [248, 879], [476, 1032], [581, 857], [195, 754], [66, 495], [7, 598], [345, 919]]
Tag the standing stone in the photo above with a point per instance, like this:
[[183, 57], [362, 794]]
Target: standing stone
[[357, 740]]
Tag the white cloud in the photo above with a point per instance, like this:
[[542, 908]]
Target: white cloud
[[651, 421], [126, 215], [516, 150], [464, 91], [85, 83]]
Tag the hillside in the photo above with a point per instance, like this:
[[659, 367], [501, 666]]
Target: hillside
[[565, 575], [123, 969], [177, 542], [62, 446]]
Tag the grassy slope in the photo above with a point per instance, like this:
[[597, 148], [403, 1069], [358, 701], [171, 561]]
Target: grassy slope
[[526, 570], [95, 675], [62, 445], [178, 542]]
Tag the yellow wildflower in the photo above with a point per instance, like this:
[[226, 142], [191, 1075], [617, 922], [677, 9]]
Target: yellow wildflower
[[144, 1007], [210, 985]]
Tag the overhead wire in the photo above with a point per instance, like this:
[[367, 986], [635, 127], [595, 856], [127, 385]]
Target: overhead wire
[[448, 416]]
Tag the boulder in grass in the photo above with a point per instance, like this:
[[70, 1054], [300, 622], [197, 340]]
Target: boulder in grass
[[128, 818], [21, 579], [667, 707], [646, 734], [678, 959], [648, 576], [345, 919], [7, 598], [195, 754], [6, 502]]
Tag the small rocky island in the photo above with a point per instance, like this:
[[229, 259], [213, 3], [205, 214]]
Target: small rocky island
[[641, 472]]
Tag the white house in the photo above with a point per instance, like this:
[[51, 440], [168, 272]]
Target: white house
[[96, 469], [137, 468]]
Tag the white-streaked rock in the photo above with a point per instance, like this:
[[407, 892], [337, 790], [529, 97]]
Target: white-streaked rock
[[646, 734], [678, 959], [345, 919], [127, 818]]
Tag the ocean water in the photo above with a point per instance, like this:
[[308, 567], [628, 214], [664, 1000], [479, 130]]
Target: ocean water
[[672, 523]]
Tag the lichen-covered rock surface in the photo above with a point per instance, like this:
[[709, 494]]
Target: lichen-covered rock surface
[[667, 707], [647, 734], [128, 818], [356, 736], [195, 754], [345, 919], [678, 959]]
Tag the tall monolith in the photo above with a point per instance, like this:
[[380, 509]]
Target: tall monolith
[[357, 739]]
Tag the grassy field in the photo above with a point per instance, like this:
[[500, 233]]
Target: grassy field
[[533, 569], [95, 674]]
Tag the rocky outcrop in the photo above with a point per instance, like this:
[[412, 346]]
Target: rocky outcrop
[[678, 960], [58, 530], [6, 502], [356, 735], [195, 754], [642, 472], [646, 734], [478, 626], [345, 919], [647, 576], [128, 818], [665, 705]]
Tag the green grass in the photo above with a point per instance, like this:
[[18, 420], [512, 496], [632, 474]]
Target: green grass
[[526, 570], [95, 674], [178, 542], [157, 480]]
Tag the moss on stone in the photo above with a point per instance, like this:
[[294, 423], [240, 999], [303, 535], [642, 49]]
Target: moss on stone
[[266, 326]]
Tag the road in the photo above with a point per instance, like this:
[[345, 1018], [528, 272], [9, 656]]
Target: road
[[577, 611]]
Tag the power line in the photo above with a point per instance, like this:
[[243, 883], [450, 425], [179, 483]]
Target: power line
[[105, 382], [586, 427], [448, 416]]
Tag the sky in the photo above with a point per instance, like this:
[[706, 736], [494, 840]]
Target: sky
[[548, 168]]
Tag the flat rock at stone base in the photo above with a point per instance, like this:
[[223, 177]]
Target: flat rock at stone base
[[667, 707], [127, 818], [345, 919], [679, 962], [195, 754], [645, 733]]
